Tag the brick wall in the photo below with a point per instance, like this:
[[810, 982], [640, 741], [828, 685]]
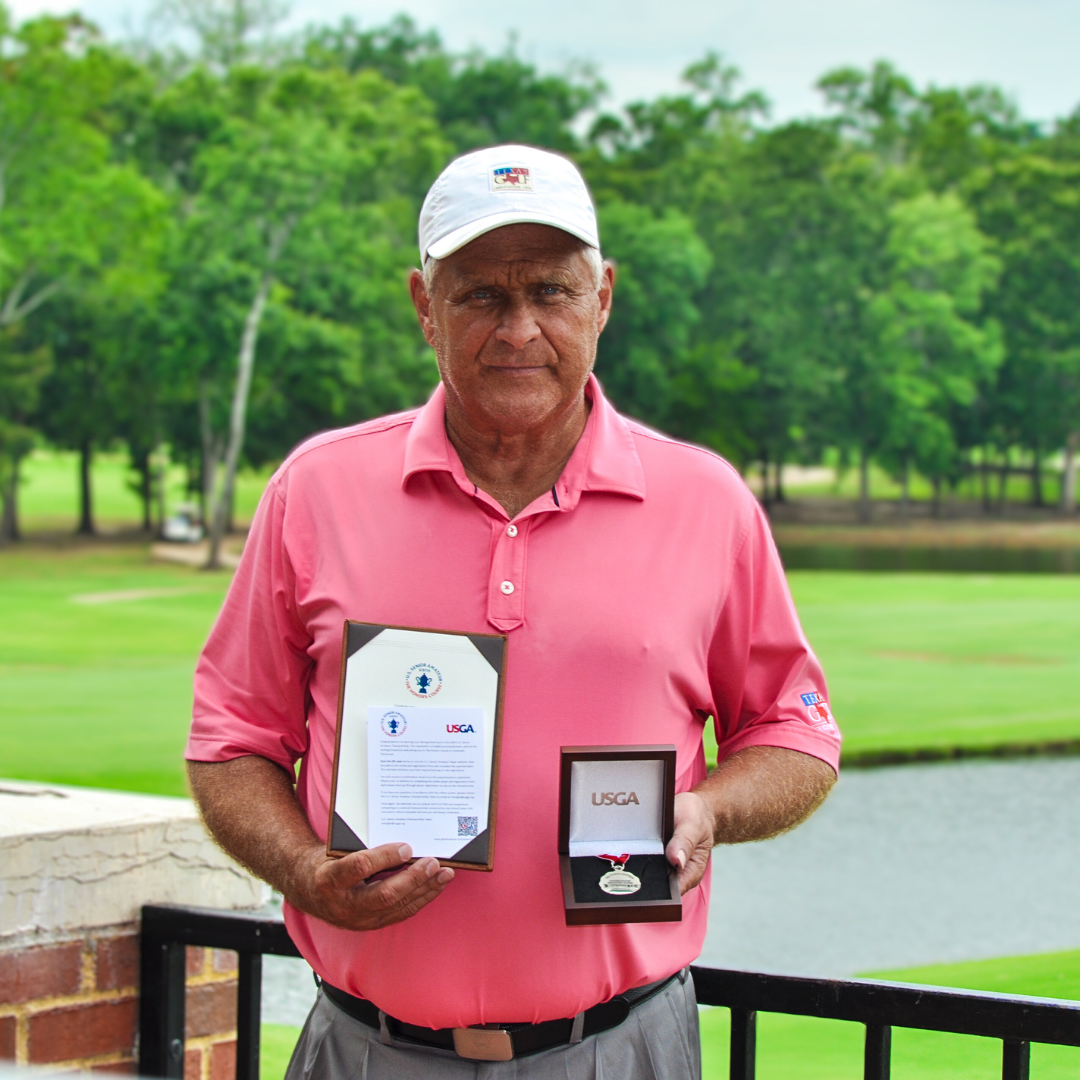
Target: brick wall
[[210, 1015], [73, 1005]]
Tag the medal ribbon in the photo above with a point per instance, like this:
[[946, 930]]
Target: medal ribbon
[[617, 861]]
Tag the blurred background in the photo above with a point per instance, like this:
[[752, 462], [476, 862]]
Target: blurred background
[[848, 245]]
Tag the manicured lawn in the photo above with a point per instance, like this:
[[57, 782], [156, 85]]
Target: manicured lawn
[[49, 492], [933, 660], [97, 650], [99, 693], [275, 1049]]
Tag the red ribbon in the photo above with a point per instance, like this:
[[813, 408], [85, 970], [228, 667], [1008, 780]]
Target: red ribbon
[[618, 861]]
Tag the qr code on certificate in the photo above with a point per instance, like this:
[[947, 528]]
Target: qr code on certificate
[[466, 826]]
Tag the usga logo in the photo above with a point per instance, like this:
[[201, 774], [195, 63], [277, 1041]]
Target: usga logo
[[423, 680], [462, 729], [615, 798]]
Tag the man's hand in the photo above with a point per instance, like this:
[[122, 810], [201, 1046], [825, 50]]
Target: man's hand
[[756, 793], [250, 808], [692, 842], [339, 892]]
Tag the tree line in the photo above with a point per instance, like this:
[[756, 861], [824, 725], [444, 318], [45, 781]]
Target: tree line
[[203, 253]]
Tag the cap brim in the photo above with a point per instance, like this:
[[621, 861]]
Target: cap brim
[[451, 242]]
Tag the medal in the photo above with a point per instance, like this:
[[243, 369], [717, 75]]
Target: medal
[[619, 881]]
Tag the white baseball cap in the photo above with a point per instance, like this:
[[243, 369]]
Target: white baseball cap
[[504, 185]]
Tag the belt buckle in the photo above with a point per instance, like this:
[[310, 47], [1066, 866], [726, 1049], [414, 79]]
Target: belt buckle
[[486, 1042]]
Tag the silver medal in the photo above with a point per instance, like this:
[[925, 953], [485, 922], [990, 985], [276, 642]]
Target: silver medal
[[620, 882]]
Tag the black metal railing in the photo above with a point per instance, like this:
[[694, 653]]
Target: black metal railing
[[1016, 1021], [166, 932]]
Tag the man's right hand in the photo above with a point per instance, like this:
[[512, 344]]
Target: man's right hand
[[250, 807], [338, 891]]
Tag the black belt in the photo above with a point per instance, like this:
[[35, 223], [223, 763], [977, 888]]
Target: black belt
[[500, 1042]]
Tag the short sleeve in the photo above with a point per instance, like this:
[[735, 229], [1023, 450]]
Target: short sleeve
[[251, 681], [768, 687]]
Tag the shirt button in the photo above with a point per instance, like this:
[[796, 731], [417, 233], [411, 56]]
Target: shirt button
[[511, 530], [507, 587]]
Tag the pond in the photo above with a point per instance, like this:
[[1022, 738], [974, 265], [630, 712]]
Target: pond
[[980, 560], [909, 865], [914, 864]]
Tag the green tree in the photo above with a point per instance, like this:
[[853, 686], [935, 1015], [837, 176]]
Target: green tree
[[661, 264], [796, 238], [58, 188], [281, 190], [22, 372], [478, 100], [934, 353], [71, 218], [1030, 205]]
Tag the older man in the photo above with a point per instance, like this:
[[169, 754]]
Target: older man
[[641, 594]]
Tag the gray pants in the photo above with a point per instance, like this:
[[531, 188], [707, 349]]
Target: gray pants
[[658, 1041]]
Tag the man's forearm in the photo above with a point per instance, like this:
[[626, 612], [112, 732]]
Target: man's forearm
[[752, 795], [250, 807], [763, 791]]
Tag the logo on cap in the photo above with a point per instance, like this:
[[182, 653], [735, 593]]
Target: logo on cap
[[511, 178]]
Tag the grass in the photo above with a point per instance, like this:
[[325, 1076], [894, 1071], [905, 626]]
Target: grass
[[275, 1049], [940, 660], [845, 484], [48, 495], [802, 1048], [49, 492], [99, 693]]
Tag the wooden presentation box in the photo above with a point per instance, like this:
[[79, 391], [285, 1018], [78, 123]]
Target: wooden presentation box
[[615, 801]]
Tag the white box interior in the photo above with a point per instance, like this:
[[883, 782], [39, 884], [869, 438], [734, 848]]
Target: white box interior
[[619, 825]]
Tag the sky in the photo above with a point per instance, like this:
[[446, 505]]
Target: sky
[[1029, 48]]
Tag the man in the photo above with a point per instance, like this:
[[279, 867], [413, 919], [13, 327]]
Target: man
[[641, 594]]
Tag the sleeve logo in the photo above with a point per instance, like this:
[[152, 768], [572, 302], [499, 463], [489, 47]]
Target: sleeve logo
[[818, 708]]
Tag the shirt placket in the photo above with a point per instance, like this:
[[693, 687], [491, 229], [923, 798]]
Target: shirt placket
[[506, 580]]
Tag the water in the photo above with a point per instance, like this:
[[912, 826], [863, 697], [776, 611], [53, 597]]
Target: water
[[979, 560], [909, 865]]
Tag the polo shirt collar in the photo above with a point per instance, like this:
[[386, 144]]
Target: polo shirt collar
[[605, 458]]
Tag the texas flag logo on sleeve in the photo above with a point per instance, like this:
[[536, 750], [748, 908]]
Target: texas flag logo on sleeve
[[818, 708]]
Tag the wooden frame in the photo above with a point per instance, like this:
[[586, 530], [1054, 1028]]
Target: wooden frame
[[617, 911], [370, 631]]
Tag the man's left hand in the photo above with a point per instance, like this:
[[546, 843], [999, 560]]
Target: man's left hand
[[757, 792], [692, 842]]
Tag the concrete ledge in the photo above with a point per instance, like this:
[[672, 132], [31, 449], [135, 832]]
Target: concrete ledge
[[79, 858]]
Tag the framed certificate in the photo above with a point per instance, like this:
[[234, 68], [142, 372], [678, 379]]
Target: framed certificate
[[416, 758], [616, 816]]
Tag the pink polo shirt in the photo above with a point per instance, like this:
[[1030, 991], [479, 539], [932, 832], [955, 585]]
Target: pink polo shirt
[[647, 597]]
